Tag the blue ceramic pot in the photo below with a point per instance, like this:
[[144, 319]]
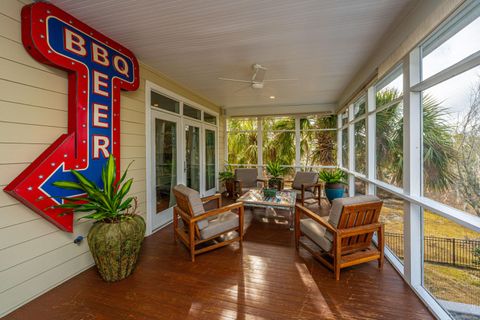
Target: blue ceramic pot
[[334, 191]]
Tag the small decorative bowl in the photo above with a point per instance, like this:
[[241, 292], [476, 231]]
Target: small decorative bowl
[[269, 192]]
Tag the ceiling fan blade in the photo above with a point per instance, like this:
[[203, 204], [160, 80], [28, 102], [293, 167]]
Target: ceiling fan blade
[[241, 89], [273, 80], [234, 80]]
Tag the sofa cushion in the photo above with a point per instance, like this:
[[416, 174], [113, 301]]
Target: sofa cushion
[[222, 223], [304, 178], [316, 232], [195, 202], [248, 177]]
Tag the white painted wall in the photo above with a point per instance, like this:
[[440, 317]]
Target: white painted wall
[[36, 256]]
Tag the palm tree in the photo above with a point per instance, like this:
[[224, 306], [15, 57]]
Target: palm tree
[[319, 147], [438, 144], [279, 145], [389, 138], [242, 146], [439, 154]]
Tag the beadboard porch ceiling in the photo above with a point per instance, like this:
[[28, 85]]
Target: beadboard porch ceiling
[[323, 44]]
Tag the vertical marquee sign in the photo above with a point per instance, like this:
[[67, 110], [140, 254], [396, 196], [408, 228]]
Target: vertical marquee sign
[[98, 68]]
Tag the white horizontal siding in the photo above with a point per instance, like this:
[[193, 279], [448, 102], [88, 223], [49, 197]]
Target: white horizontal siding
[[35, 256]]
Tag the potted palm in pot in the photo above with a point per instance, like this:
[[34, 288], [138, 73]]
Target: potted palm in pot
[[334, 183], [276, 172], [228, 179], [116, 236]]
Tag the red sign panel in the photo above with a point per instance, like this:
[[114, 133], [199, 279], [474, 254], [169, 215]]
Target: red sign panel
[[98, 68]]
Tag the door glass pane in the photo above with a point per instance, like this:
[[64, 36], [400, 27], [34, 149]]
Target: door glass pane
[[192, 156], [209, 159], [165, 163], [165, 103]]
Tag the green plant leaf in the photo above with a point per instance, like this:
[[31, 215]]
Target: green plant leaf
[[111, 174], [68, 185], [124, 175], [101, 203]]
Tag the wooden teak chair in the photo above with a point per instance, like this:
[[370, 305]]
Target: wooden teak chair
[[246, 179], [200, 226], [345, 236], [306, 186]]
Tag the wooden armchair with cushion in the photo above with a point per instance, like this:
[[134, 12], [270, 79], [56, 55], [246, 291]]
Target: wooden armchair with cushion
[[200, 226], [345, 236], [246, 179], [306, 186]]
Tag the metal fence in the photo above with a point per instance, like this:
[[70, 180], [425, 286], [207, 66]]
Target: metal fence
[[449, 251]]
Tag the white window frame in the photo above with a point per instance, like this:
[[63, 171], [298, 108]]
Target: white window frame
[[411, 192], [297, 166]]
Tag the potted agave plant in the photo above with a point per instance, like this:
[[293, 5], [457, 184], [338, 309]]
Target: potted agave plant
[[116, 236], [275, 171], [334, 183]]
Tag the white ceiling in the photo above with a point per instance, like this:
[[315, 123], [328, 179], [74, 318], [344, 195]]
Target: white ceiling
[[322, 43]]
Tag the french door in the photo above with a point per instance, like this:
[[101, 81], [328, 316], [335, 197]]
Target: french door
[[200, 150], [182, 151], [166, 163]]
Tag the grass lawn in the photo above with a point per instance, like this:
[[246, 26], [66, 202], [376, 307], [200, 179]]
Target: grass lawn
[[446, 282], [453, 284]]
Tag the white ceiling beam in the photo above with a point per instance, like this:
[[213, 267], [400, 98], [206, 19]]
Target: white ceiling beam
[[280, 110]]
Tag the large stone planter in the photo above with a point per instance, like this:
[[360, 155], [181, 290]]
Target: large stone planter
[[115, 247]]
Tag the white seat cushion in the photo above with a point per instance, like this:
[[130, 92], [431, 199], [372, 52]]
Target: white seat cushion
[[316, 232], [308, 194], [244, 190], [220, 224]]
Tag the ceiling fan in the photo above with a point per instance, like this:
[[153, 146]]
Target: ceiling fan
[[258, 77]]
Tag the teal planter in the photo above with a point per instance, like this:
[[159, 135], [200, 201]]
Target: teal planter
[[334, 193]]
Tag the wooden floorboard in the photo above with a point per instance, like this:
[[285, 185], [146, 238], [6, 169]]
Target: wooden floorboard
[[266, 279]]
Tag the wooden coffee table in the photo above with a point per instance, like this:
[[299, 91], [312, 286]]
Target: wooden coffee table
[[283, 200]]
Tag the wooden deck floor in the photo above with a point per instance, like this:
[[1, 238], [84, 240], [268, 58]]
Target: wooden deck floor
[[266, 279]]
